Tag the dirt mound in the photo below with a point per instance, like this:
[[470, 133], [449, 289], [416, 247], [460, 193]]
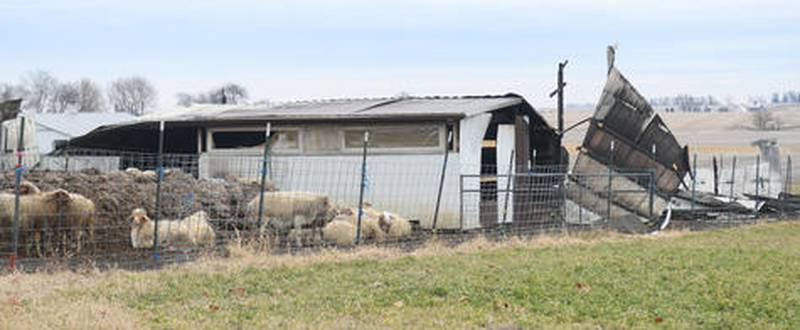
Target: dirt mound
[[116, 194]]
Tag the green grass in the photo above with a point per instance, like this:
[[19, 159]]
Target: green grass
[[739, 278]]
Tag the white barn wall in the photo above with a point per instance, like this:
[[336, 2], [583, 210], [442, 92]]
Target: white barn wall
[[406, 184], [471, 132], [505, 147]]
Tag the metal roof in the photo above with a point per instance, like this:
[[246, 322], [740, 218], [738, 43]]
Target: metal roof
[[375, 108], [77, 124]]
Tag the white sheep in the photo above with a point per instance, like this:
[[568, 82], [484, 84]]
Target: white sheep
[[370, 223], [286, 211], [194, 230], [43, 212], [340, 232], [396, 226]]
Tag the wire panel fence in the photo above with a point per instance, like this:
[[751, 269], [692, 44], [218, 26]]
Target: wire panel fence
[[98, 207]]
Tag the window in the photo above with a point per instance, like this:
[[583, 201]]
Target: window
[[282, 140], [424, 136]]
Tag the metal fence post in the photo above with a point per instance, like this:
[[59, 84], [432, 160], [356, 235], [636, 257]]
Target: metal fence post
[[733, 184], [159, 178], [651, 185], [66, 156], [610, 181], [17, 181], [787, 184], [758, 176], [441, 179], [694, 183], [361, 188], [461, 201], [263, 177], [716, 175], [2, 148], [508, 185]]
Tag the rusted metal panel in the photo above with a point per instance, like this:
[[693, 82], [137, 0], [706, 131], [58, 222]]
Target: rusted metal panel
[[627, 157], [621, 108], [668, 151], [630, 191], [588, 199]]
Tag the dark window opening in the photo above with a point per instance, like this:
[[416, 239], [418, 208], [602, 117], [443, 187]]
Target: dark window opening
[[253, 139]]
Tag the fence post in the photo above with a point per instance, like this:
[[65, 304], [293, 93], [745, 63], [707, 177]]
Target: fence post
[[66, 156], [441, 179], [580, 186], [2, 147], [264, 161], [651, 187], [758, 176], [508, 185], [461, 201], [610, 181], [733, 184], [17, 181], [716, 176], [159, 178], [361, 188], [694, 183], [787, 185]]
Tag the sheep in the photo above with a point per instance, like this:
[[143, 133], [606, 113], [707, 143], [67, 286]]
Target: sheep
[[193, 230], [340, 232], [133, 171], [396, 226], [370, 224], [287, 211], [45, 212], [26, 188], [142, 176]]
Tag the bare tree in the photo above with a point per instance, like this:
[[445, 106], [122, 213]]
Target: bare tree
[[11, 92], [229, 93], [185, 99], [66, 98], [764, 120], [41, 88], [133, 95], [91, 97]]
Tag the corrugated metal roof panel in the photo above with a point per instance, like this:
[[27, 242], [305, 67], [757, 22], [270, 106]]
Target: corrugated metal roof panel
[[342, 109], [77, 124]]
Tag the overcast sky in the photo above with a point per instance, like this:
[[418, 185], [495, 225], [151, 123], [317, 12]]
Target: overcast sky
[[290, 50]]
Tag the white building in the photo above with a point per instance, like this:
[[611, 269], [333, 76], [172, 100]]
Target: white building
[[317, 146], [56, 128]]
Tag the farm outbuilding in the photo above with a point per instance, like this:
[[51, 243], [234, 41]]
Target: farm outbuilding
[[317, 146]]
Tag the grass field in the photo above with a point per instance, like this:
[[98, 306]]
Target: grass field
[[738, 278]]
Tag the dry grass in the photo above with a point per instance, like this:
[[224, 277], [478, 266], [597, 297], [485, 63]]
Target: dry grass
[[252, 289], [50, 299]]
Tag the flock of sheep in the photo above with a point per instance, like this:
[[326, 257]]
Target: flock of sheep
[[68, 220]]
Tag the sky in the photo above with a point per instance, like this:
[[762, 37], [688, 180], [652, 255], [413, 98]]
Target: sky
[[303, 50]]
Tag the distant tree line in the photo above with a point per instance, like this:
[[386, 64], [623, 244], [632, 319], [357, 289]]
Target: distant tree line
[[42, 92], [790, 97], [229, 93], [686, 103]]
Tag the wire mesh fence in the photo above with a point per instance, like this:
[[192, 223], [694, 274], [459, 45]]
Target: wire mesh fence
[[136, 209]]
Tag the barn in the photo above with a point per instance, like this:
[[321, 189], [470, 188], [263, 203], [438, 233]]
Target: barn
[[317, 146]]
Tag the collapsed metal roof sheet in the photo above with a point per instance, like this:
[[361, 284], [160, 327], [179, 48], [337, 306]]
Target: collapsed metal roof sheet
[[625, 136]]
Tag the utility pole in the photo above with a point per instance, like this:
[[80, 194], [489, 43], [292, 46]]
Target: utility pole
[[560, 93]]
